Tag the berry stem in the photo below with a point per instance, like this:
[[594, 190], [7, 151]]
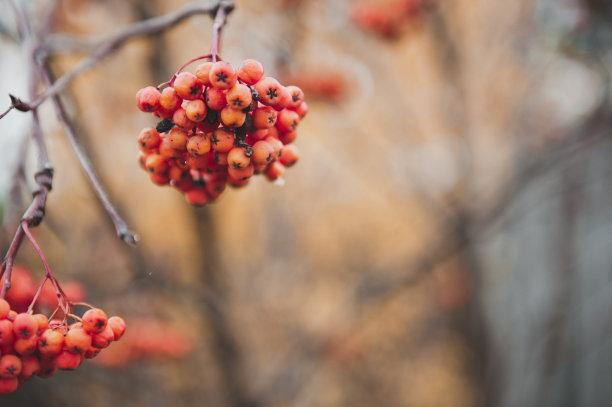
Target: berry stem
[[222, 11], [178, 71], [111, 43]]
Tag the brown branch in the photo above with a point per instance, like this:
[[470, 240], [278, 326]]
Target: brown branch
[[116, 40]]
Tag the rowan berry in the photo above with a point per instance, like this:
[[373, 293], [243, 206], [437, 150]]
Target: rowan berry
[[67, 360], [288, 120], [235, 183], [197, 196], [241, 174], [184, 184], [160, 179], [276, 144], [8, 385], [169, 99], [24, 325], [51, 342], [149, 138], [215, 98], [103, 339], [10, 366], [12, 314], [232, 118], [238, 158], [187, 86], [275, 171], [47, 368], [210, 123], [262, 153], [198, 145], [260, 134], [215, 184], [180, 119], [42, 322], [239, 96], [4, 308], [176, 174], [297, 96], [94, 320], [195, 110], [197, 162], [222, 75], [30, 366], [202, 72], [250, 71], [25, 346], [148, 99], [264, 117], [118, 326], [156, 164], [220, 158], [178, 139], [288, 137], [92, 352], [302, 109], [284, 101], [166, 150], [269, 91], [77, 340]]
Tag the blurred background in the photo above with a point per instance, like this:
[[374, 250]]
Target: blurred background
[[444, 239]]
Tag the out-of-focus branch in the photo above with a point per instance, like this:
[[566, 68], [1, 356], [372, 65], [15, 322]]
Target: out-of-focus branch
[[111, 43]]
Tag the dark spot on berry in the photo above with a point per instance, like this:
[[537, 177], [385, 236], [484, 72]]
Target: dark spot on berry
[[11, 370], [272, 93], [25, 332], [237, 166], [271, 119], [99, 324], [194, 90], [269, 157], [294, 125], [295, 97], [43, 343], [237, 102], [221, 77], [148, 107]]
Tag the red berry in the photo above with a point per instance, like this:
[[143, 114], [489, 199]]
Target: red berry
[[24, 325], [178, 139], [180, 119], [222, 75], [250, 71], [160, 179], [232, 118], [276, 144], [195, 110], [215, 98], [237, 158], [297, 96], [169, 99], [30, 366], [198, 144], [202, 73], [94, 320], [197, 196], [264, 117], [8, 385], [149, 138], [50, 342], [10, 366], [67, 360], [187, 86], [25, 346], [148, 99], [275, 171], [288, 137], [262, 152], [287, 120], [241, 174], [77, 340], [4, 308], [103, 339], [269, 91], [302, 109], [239, 96], [156, 164], [222, 140]]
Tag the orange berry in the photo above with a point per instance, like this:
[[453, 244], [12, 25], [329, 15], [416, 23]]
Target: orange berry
[[92, 352], [67, 360], [269, 91], [24, 325], [276, 144], [202, 72], [51, 342], [262, 152], [297, 96], [197, 162], [30, 366], [10, 366], [235, 183], [103, 339], [250, 71], [160, 179], [9, 385], [239, 96], [287, 120], [275, 171], [166, 150], [12, 313], [187, 86], [198, 144], [25, 346], [302, 109], [197, 196], [260, 134], [284, 101], [156, 164], [222, 75], [47, 368], [288, 137], [169, 99], [215, 184], [241, 174], [77, 340], [149, 138], [178, 139], [220, 158], [222, 140], [180, 119], [195, 110], [4, 308], [94, 320], [215, 98], [232, 118], [264, 117], [238, 158], [148, 99]]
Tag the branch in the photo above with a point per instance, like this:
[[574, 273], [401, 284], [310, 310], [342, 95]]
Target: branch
[[120, 226], [116, 40]]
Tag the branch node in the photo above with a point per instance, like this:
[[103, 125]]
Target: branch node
[[19, 104]]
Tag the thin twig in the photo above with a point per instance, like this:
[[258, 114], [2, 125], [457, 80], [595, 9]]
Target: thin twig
[[225, 7], [116, 40], [120, 226]]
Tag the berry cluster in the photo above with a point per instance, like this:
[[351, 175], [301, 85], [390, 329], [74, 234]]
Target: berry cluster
[[389, 20], [219, 126], [31, 345]]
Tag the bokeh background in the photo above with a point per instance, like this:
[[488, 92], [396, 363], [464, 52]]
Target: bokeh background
[[444, 239]]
